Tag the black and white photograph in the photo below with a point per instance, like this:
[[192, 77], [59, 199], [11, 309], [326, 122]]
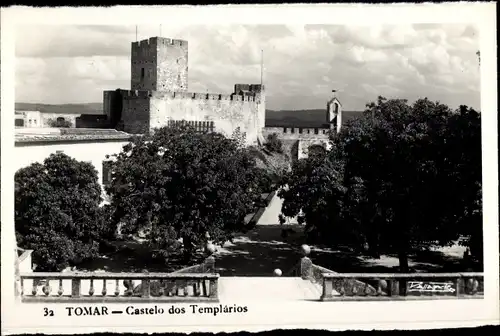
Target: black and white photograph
[[174, 169]]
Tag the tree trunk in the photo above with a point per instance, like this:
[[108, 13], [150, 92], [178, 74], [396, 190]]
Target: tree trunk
[[188, 248], [403, 268], [403, 262]]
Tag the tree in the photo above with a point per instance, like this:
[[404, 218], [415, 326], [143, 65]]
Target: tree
[[464, 147], [57, 212], [274, 144], [180, 183], [394, 186]]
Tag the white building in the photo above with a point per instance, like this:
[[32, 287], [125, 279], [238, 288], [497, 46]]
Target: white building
[[90, 145], [31, 119]]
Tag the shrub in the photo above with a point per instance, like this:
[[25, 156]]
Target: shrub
[[274, 144]]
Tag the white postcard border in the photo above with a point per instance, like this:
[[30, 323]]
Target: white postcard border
[[19, 318]]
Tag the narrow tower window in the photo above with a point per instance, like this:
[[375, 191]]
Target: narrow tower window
[[142, 73]]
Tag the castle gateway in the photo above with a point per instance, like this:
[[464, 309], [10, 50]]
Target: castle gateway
[[159, 96]]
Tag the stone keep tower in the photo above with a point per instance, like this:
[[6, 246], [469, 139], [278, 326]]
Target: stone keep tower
[[159, 64]]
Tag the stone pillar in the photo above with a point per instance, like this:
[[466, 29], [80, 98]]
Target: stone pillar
[[305, 263], [17, 277], [209, 264]]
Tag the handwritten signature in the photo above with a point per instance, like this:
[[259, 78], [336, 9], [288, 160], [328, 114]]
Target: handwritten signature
[[440, 287]]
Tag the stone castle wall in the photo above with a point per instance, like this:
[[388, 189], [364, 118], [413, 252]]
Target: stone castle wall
[[297, 133], [297, 144], [135, 112], [45, 118], [142, 111], [228, 112]]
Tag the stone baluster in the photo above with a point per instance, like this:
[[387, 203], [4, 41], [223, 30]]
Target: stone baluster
[[117, 287], [146, 289], [189, 289], [60, 291], [161, 289], [75, 287], [354, 290], [34, 290], [472, 286], [367, 290], [213, 289], [306, 266], [458, 284], [91, 289], [204, 287], [381, 287], [197, 288], [342, 287], [104, 287], [129, 285], [46, 288], [393, 289], [170, 288]]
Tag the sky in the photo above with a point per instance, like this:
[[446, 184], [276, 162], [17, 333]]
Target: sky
[[302, 64]]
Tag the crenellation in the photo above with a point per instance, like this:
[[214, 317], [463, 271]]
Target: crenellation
[[163, 94], [200, 96], [192, 95], [131, 94], [212, 96], [300, 131], [180, 43], [248, 88]]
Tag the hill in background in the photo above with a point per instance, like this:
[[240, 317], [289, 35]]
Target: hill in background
[[282, 118], [303, 118], [86, 108]]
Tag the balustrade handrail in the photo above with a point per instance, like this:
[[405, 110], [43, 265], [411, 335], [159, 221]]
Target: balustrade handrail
[[403, 275], [120, 276], [187, 270]]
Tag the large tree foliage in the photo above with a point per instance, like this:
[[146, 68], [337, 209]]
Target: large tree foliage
[[179, 183], [57, 212], [398, 178]]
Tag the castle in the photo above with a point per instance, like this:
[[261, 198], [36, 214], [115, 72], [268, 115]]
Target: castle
[[159, 96]]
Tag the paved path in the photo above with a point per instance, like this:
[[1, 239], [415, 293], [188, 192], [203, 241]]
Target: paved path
[[272, 212], [267, 289]]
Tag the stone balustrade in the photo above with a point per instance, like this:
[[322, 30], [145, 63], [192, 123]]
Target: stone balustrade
[[197, 283], [399, 286], [389, 286], [118, 287]]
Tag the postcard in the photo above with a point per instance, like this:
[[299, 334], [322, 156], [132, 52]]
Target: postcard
[[247, 168]]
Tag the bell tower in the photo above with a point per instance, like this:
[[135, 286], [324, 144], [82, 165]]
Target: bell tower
[[334, 113]]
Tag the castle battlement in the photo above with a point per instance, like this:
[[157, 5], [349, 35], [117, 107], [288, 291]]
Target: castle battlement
[[142, 94], [155, 41], [246, 88]]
